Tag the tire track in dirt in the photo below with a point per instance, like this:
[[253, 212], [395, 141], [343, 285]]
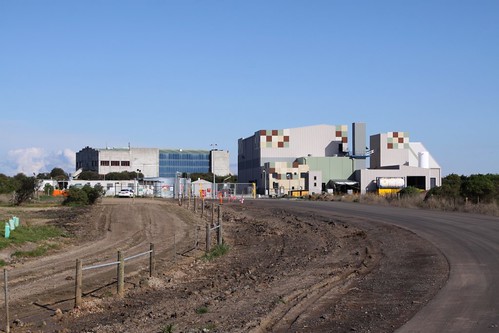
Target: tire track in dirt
[[299, 303], [129, 226]]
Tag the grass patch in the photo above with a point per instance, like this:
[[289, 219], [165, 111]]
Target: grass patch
[[216, 252], [209, 327], [202, 310], [2, 263], [33, 234], [169, 328], [38, 252]]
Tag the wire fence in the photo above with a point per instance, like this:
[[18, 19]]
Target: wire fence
[[207, 212]]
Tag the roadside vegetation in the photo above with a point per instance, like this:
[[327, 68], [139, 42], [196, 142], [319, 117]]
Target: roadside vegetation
[[217, 251], [21, 190], [30, 234], [22, 194], [474, 194]]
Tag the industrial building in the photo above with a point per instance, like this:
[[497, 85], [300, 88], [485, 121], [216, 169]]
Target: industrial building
[[153, 162], [315, 159]]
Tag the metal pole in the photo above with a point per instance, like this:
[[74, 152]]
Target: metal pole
[[152, 264], [7, 316], [264, 182], [78, 283], [121, 274]]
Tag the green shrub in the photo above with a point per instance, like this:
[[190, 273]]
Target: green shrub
[[202, 310], [76, 196], [409, 191], [217, 251]]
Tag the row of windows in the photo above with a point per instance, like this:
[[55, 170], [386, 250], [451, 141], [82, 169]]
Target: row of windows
[[178, 156], [205, 164], [171, 171], [114, 163]]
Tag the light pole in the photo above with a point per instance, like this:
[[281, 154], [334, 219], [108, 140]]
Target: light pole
[[213, 169], [288, 176], [264, 182], [138, 172], [177, 184]]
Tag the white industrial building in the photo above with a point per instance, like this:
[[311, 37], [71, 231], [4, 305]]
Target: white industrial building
[[153, 162], [318, 158]]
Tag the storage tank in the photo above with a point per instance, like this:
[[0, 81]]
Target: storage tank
[[390, 182], [424, 160]]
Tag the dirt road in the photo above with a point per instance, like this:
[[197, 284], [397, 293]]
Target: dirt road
[[286, 271], [38, 287]]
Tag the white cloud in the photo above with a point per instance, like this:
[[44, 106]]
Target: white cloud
[[28, 160], [36, 160]]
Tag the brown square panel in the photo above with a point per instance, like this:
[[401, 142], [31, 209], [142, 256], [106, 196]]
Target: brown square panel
[[395, 134], [401, 140], [344, 139], [263, 132], [280, 144], [390, 146], [338, 134], [269, 138], [275, 132], [286, 138]]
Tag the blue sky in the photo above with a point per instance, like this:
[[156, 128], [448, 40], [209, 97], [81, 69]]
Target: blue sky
[[187, 74]]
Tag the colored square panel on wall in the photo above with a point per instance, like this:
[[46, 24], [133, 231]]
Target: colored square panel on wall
[[397, 140], [275, 138]]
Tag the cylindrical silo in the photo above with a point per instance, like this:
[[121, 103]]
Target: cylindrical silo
[[424, 160]]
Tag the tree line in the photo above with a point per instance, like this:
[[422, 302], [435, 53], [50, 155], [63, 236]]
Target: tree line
[[23, 188], [477, 188]]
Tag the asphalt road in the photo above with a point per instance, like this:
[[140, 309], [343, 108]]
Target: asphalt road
[[469, 302]]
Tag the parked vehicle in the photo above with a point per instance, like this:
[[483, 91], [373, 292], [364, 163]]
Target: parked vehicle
[[125, 193]]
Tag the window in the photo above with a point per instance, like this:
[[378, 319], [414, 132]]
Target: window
[[104, 163], [125, 163], [315, 178], [115, 163], [315, 184]]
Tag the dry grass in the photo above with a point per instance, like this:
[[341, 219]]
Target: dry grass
[[458, 205]]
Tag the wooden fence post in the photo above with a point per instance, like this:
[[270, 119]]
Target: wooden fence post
[[78, 283], [152, 263], [7, 316], [219, 230], [195, 205], [121, 274], [196, 245], [208, 237], [202, 208]]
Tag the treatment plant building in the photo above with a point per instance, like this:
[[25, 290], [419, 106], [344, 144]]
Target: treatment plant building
[[318, 158]]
